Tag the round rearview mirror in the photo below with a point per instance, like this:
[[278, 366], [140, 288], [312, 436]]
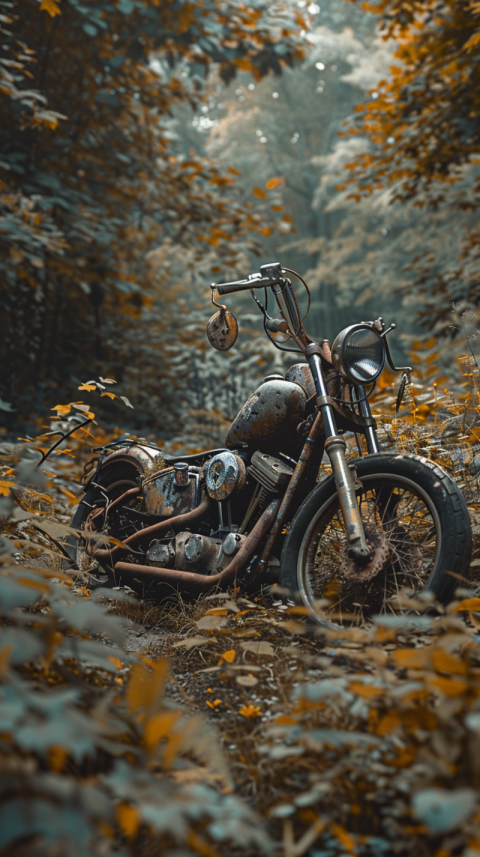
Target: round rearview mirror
[[222, 330]]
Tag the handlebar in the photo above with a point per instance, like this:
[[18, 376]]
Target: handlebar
[[269, 276], [272, 275]]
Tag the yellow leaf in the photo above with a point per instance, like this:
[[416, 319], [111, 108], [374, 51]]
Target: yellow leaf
[[469, 604], [5, 487], [50, 6], [146, 685], [197, 845], [344, 838], [213, 704], [250, 711], [449, 686], [446, 663], [72, 497], [287, 219], [229, 656], [366, 691], [388, 723], [158, 727], [57, 758], [116, 662], [110, 395], [5, 658], [409, 658], [275, 182], [62, 409], [259, 193], [473, 40], [34, 584], [88, 387], [128, 820]]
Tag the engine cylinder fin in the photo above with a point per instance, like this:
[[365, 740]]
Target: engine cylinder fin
[[251, 508], [265, 497], [270, 472]]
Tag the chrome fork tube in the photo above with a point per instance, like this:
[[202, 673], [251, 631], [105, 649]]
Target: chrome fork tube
[[345, 484], [326, 410], [335, 447]]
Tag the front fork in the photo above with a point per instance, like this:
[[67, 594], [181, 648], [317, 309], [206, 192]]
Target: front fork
[[335, 448]]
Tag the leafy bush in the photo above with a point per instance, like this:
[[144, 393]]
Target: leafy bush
[[94, 758]]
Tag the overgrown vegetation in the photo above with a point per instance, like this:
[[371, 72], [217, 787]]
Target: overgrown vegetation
[[146, 148], [230, 725]]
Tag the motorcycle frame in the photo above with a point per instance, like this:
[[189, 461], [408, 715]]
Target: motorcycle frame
[[330, 417]]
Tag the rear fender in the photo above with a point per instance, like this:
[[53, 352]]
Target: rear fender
[[143, 461]]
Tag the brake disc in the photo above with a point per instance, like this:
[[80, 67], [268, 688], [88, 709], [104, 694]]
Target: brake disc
[[377, 541]]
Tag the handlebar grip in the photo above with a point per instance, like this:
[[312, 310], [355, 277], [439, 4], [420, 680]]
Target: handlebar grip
[[242, 285], [228, 288]]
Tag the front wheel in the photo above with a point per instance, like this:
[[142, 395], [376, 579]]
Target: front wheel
[[416, 522]]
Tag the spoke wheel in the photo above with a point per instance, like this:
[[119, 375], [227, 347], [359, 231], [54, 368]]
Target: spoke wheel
[[416, 522], [402, 528]]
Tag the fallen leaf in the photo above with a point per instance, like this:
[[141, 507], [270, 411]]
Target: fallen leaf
[[191, 642], [229, 656], [260, 648], [211, 623], [246, 680]]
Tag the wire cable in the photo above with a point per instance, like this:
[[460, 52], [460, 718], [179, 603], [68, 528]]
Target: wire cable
[[289, 271]]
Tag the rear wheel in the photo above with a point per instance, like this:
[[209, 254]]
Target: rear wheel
[[110, 484], [416, 522]]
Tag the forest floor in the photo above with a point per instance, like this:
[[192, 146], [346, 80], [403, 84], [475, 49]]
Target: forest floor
[[327, 734]]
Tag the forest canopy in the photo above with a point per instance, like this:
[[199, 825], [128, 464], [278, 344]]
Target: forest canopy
[[91, 180], [147, 148], [422, 121]]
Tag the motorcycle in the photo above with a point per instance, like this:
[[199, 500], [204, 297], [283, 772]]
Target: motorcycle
[[256, 512]]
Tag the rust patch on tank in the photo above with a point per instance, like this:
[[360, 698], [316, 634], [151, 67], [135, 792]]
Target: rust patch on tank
[[300, 374], [272, 409]]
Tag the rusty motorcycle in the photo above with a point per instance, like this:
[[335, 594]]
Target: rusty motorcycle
[[260, 511]]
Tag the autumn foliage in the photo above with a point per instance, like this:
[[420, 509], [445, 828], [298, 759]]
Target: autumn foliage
[[92, 178], [422, 128]]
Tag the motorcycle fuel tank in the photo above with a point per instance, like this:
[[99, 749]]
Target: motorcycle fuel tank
[[276, 406]]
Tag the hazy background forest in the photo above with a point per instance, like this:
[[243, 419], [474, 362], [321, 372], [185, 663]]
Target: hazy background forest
[[148, 149]]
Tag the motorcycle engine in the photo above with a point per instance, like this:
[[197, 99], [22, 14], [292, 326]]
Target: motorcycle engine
[[195, 552], [176, 490]]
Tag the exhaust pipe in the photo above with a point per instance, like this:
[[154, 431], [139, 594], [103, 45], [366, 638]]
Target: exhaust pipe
[[107, 557], [188, 583]]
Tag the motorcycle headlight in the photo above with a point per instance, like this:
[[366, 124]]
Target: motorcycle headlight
[[358, 353]]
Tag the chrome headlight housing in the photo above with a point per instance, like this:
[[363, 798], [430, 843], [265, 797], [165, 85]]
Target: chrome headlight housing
[[358, 354]]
